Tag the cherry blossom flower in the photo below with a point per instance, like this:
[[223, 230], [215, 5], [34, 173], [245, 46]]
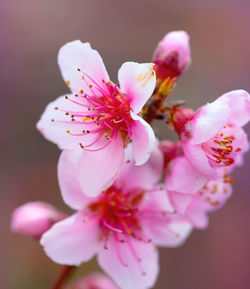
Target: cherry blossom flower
[[122, 225], [34, 219], [193, 195], [172, 55], [93, 281], [98, 117], [218, 139]]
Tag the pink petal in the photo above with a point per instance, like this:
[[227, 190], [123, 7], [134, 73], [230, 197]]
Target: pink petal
[[158, 221], [239, 103], [72, 241], [144, 176], [143, 139], [77, 55], [173, 232], [180, 201], [197, 216], [54, 124], [212, 197], [127, 271], [97, 170], [137, 81], [209, 120], [181, 177], [157, 200], [69, 181], [199, 160]]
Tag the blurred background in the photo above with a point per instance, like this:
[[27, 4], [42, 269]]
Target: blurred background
[[31, 33]]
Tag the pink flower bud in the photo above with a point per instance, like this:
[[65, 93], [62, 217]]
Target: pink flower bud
[[172, 55], [181, 121], [34, 218], [170, 151], [96, 280]]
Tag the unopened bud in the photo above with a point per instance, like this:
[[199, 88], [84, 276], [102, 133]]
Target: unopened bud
[[170, 150], [172, 55], [34, 218], [96, 280], [181, 122]]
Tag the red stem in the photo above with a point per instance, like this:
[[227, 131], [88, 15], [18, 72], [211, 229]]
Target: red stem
[[63, 276]]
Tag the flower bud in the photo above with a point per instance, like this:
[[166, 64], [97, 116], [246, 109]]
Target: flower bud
[[170, 151], [172, 55], [181, 122], [34, 218], [96, 280]]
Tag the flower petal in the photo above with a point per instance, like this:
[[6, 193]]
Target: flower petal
[[209, 120], [239, 103], [145, 176], [159, 223], [156, 200], [137, 81], [180, 201], [72, 241], [199, 160], [172, 233], [197, 216], [143, 139], [181, 177], [97, 170], [121, 262], [54, 124], [78, 55], [69, 182]]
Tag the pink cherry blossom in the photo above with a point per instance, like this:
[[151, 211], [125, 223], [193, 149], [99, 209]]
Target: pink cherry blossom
[[93, 281], [193, 195], [172, 55], [218, 139], [34, 219], [122, 225], [98, 117]]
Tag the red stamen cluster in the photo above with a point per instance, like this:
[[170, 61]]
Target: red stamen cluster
[[220, 149], [104, 109]]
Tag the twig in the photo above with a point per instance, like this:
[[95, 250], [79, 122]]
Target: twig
[[63, 276]]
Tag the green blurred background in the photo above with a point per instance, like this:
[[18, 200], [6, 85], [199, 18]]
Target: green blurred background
[[31, 33]]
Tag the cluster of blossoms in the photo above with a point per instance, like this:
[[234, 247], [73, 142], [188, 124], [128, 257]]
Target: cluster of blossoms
[[131, 192]]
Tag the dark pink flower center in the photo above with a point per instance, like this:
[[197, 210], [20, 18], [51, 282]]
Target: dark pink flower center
[[118, 213], [222, 148], [104, 111]]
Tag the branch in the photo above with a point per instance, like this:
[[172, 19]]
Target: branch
[[63, 276]]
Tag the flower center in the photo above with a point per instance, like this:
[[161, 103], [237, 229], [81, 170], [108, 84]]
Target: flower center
[[222, 148], [215, 193], [118, 213], [103, 111], [119, 218]]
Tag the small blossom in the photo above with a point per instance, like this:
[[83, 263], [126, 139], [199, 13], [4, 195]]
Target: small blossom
[[172, 55], [98, 117], [93, 281], [218, 139], [122, 225], [192, 195], [34, 219]]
